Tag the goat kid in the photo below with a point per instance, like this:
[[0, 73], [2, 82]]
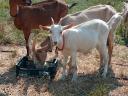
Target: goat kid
[[79, 39]]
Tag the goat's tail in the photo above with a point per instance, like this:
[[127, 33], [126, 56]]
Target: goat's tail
[[115, 21], [72, 5]]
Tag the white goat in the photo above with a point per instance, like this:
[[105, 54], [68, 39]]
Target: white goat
[[82, 38], [103, 12]]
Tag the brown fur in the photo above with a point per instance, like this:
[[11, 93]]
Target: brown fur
[[40, 54], [30, 17]]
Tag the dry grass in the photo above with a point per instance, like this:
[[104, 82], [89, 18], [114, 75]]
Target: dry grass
[[89, 84]]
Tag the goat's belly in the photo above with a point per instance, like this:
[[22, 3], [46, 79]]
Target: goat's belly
[[86, 49], [84, 52], [87, 46]]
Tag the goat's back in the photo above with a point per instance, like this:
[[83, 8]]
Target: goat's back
[[103, 12], [32, 17], [87, 35]]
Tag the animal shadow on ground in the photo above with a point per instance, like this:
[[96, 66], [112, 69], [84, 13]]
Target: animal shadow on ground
[[85, 85], [22, 84], [2, 94], [8, 77]]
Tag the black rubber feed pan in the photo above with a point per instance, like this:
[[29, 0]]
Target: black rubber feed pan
[[26, 68]]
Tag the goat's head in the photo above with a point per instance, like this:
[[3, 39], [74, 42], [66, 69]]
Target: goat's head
[[14, 5], [56, 30]]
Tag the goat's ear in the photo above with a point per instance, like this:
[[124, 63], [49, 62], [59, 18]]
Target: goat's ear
[[44, 27], [60, 21], [68, 26]]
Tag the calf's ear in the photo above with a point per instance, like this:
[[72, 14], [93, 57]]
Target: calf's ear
[[44, 27], [68, 26]]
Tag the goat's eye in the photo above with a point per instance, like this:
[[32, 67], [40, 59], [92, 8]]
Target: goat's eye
[[60, 31]]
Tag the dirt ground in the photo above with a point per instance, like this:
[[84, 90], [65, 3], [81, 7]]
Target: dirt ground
[[88, 84]]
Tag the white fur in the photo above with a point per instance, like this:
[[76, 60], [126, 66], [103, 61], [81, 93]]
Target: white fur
[[84, 37]]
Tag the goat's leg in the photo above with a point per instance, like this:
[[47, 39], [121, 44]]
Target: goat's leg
[[74, 67], [105, 55], [101, 61], [104, 59], [64, 73], [26, 36], [70, 66], [110, 46], [101, 64]]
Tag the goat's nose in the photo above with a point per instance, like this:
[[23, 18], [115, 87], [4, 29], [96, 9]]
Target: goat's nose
[[55, 43]]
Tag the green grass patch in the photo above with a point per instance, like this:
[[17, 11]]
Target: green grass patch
[[83, 4], [4, 4], [10, 35], [4, 15]]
